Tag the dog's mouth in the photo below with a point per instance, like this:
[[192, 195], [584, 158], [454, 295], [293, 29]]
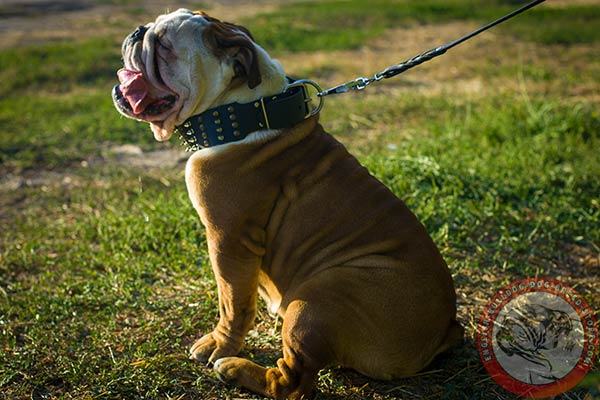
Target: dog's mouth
[[134, 98], [140, 106]]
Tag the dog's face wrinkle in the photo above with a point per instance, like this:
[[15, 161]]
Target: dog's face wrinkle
[[158, 57], [158, 51]]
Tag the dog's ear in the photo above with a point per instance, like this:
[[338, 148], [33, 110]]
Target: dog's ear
[[236, 43]]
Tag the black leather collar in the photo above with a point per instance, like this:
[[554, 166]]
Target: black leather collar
[[234, 121]]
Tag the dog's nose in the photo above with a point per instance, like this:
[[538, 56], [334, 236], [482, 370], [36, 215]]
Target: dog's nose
[[133, 38], [138, 34]]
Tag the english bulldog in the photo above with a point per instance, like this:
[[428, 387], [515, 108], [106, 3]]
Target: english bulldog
[[289, 214]]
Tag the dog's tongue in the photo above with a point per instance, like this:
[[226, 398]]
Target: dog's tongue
[[134, 89]]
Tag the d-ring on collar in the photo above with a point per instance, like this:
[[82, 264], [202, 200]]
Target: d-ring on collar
[[234, 121]]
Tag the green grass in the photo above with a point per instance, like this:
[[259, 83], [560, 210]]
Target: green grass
[[104, 275], [105, 299], [340, 24], [55, 104], [59, 67], [60, 129], [524, 177], [102, 303]]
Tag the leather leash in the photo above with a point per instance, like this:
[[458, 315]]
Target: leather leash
[[361, 83]]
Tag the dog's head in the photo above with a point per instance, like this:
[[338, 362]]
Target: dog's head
[[187, 62]]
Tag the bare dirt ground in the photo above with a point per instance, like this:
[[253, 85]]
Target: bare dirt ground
[[33, 21], [25, 22]]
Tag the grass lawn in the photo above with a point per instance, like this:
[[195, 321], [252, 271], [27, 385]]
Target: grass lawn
[[104, 276]]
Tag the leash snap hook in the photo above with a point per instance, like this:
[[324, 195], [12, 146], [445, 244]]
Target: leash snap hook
[[356, 84]]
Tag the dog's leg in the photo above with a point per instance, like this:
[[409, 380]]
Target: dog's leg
[[237, 281], [305, 352]]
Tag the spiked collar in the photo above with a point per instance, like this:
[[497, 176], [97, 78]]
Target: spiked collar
[[234, 121]]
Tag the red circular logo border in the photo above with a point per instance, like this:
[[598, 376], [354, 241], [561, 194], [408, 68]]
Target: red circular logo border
[[486, 351]]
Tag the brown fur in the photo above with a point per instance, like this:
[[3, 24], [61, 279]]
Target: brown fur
[[359, 281]]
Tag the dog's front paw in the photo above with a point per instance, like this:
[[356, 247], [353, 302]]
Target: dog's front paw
[[240, 372], [208, 349], [225, 369]]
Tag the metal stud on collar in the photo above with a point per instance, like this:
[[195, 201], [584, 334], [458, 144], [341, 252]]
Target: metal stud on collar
[[234, 121]]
